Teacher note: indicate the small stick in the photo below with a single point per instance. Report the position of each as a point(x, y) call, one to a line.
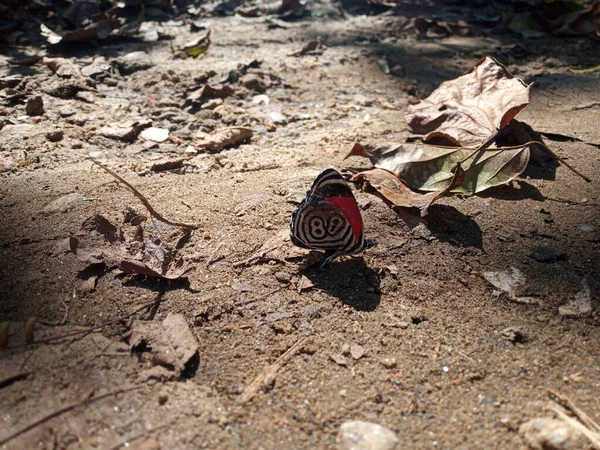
point(566, 403)
point(87, 330)
point(255, 257)
point(593, 436)
point(61, 411)
point(268, 373)
point(141, 198)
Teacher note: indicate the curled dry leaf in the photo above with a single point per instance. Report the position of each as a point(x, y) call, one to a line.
point(472, 108)
point(137, 254)
point(224, 138)
point(392, 188)
point(428, 167)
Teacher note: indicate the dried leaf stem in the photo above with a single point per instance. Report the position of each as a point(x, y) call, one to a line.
point(268, 373)
point(86, 401)
point(143, 199)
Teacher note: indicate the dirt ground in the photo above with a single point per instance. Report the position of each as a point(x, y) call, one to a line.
point(408, 335)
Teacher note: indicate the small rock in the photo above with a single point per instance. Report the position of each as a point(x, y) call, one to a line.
point(277, 118)
point(260, 99)
point(155, 134)
point(55, 135)
point(587, 228)
point(545, 254)
point(6, 164)
point(357, 351)
point(132, 62)
point(359, 435)
point(345, 350)
point(253, 82)
point(34, 106)
point(119, 132)
point(339, 360)
point(86, 96)
point(545, 433)
point(361, 100)
point(389, 363)
point(283, 277)
point(63, 204)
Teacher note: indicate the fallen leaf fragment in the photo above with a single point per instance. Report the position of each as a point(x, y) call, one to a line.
point(171, 343)
point(470, 109)
point(196, 47)
point(392, 188)
point(509, 281)
point(224, 138)
point(581, 305)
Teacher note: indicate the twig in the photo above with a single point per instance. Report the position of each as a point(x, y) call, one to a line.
point(141, 198)
point(255, 257)
point(64, 409)
point(87, 330)
point(566, 403)
point(268, 373)
point(7, 381)
point(593, 436)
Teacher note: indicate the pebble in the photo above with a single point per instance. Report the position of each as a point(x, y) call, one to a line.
point(548, 433)
point(587, 228)
point(360, 435)
point(118, 132)
point(253, 82)
point(389, 363)
point(277, 118)
point(34, 106)
point(357, 351)
point(545, 254)
point(155, 134)
point(132, 62)
point(55, 135)
point(361, 100)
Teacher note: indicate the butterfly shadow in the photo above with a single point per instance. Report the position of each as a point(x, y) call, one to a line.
point(350, 280)
point(446, 224)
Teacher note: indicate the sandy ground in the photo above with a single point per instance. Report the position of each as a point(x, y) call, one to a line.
point(408, 335)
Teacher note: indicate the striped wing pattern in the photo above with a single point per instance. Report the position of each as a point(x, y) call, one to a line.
point(328, 218)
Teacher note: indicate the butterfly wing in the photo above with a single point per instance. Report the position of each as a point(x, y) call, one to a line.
point(328, 218)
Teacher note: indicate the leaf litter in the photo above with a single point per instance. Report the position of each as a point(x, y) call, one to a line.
point(462, 120)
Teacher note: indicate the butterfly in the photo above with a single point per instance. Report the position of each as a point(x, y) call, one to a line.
point(329, 219)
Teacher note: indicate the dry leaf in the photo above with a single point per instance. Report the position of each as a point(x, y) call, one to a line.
point(171, 343)
point(472, 108)
point(427, 167)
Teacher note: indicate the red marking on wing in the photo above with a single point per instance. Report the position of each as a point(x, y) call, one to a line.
point(350, 211)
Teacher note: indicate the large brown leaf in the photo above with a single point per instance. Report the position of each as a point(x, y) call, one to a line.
point(472, 108)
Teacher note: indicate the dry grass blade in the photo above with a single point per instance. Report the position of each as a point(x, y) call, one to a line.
point(148, 206)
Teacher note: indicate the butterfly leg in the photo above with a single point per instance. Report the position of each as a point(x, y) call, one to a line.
point(330, 256)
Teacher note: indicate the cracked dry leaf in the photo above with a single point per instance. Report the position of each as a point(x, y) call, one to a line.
point(426, 167)
point(472, 108)
point(171, 343)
